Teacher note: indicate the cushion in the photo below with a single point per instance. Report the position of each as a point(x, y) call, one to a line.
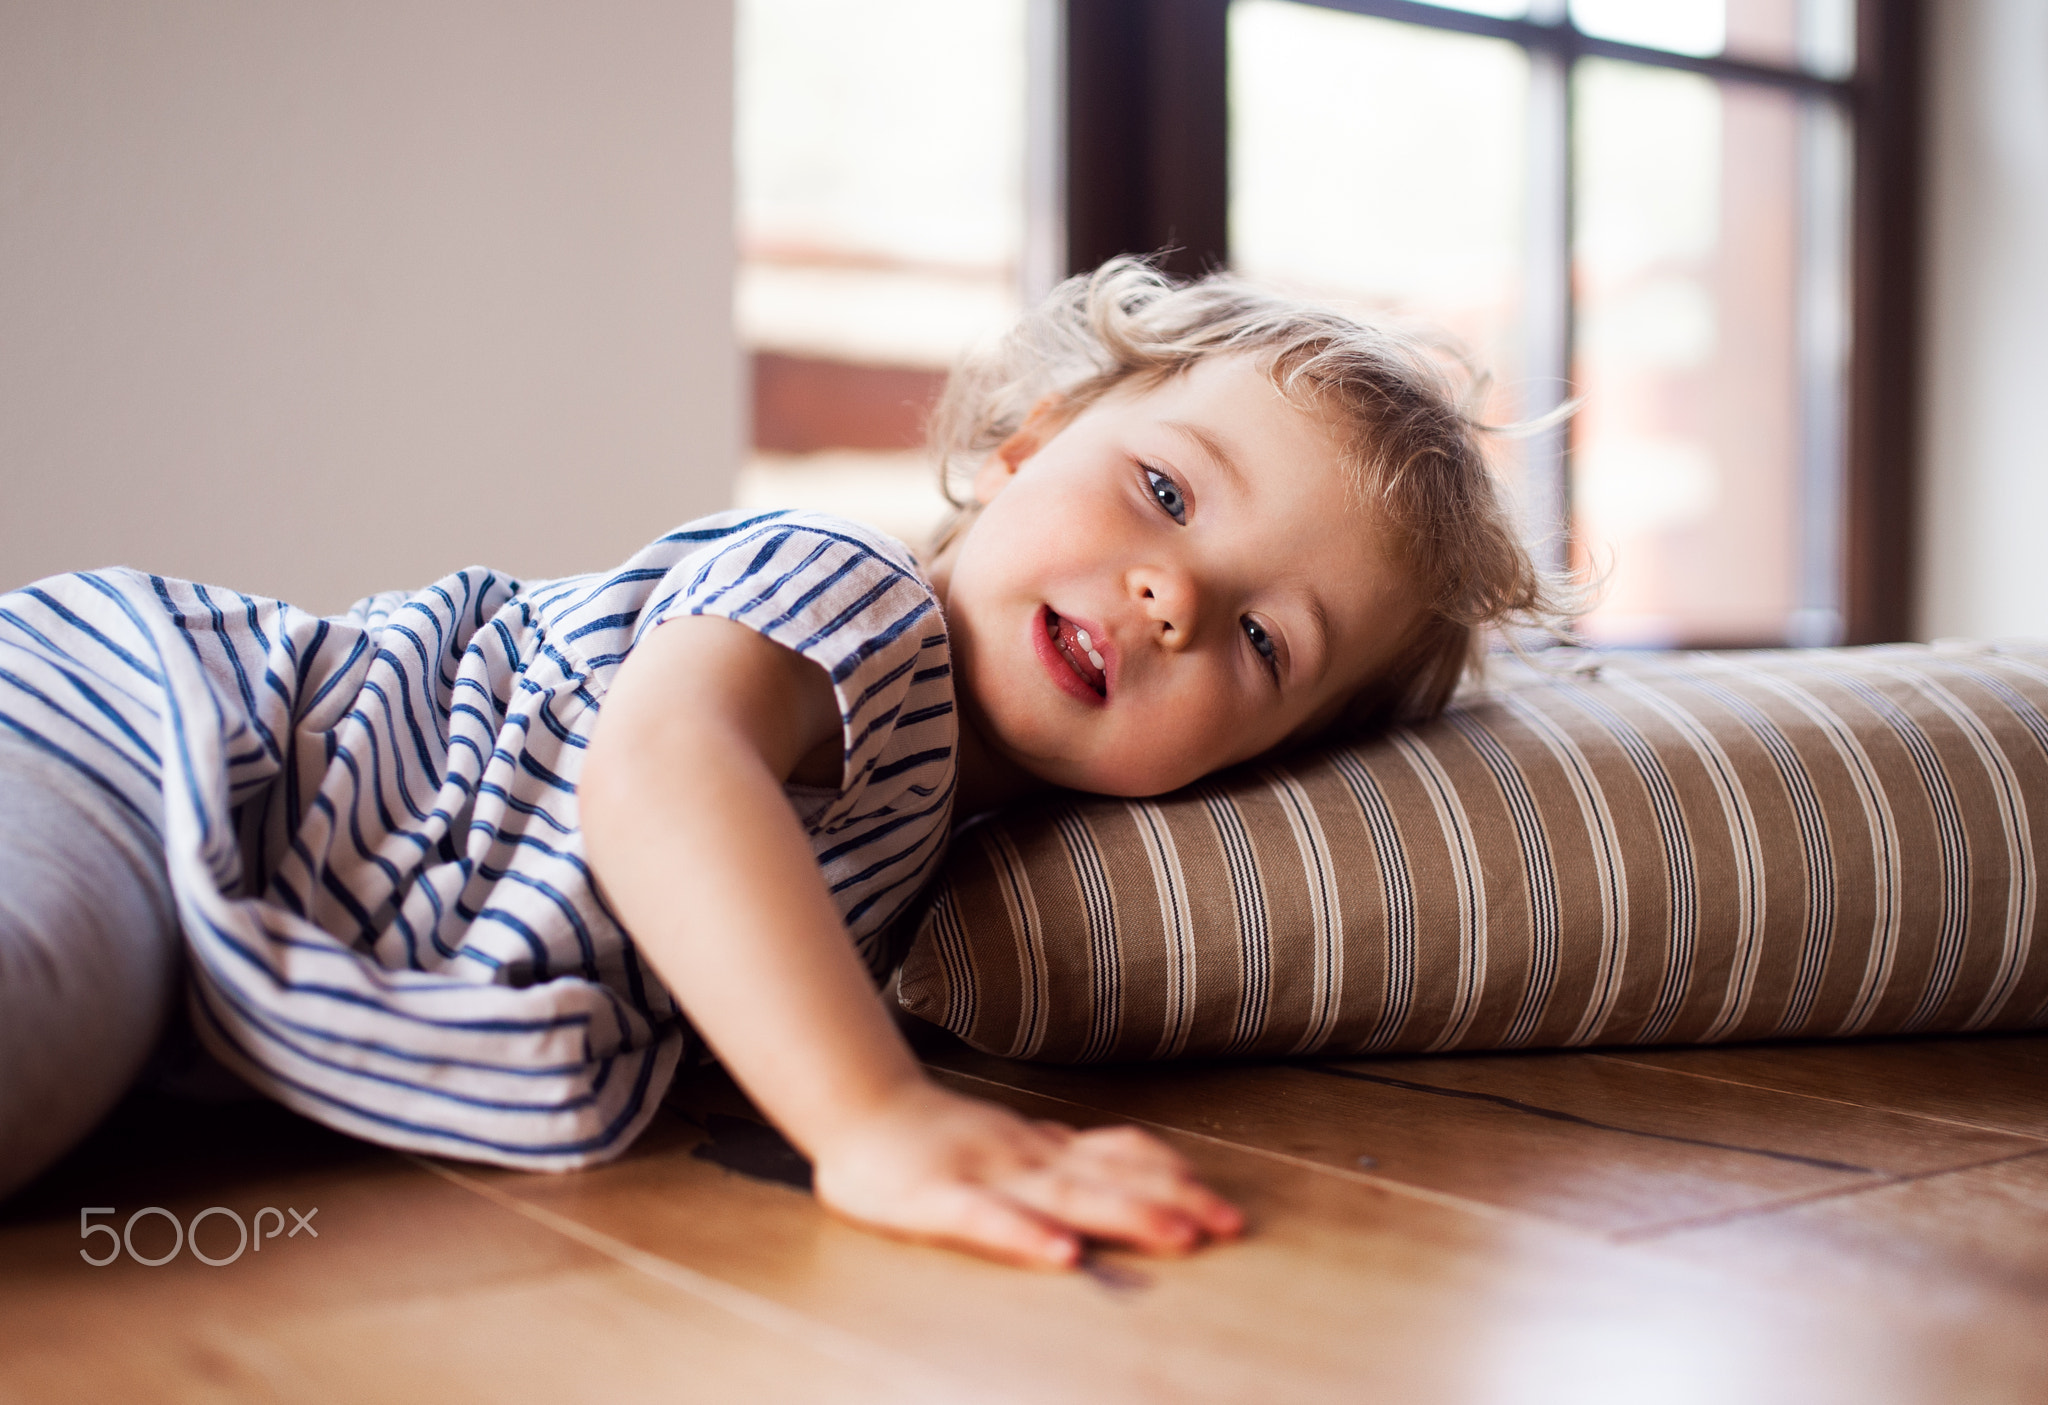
point(1632, 849)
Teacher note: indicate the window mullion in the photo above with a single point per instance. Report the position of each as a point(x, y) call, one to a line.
point(1547, 304)
point(1822, 320)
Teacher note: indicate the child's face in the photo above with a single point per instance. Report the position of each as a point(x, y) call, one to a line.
point(1202, 535)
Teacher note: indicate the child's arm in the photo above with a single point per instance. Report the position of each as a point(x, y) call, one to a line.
point(698, 851)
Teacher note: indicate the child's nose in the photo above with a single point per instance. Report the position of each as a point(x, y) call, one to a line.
point(1169, 599)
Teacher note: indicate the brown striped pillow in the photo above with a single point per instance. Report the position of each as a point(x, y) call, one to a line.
point(1650, 849)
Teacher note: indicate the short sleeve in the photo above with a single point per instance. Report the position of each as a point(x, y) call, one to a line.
point(849, 599)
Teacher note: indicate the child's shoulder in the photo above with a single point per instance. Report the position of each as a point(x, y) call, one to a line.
point(837, 592)
point(782, 553)
point(757, 540)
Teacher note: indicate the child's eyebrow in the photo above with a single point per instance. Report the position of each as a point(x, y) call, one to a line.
point(1210, 445)
point(1319, 631)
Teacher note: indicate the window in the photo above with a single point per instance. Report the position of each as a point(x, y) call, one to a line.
point(1678, 209)
point(1696, 288)
point(882, 232)
point(1696, 214)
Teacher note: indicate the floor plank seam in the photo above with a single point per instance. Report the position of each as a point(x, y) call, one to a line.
point(1575, 1119)
point(1824, 1098)
point(1650, 1234)
point(1444, 1199)
point(749, 1306)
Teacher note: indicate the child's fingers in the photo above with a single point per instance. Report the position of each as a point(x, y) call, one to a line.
point(1146, 1164)
point(1127, 1146)
point(1058, 1132)
point(1218, 1217)
point(991, 1224)
point(982, 1179)
point(962, 1215)
point(1104, 1209)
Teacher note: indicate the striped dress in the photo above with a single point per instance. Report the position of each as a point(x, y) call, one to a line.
point(370, 820)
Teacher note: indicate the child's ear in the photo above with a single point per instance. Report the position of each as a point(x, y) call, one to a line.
point(1046, 419)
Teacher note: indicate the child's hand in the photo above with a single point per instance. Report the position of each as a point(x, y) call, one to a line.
point(937, 1166)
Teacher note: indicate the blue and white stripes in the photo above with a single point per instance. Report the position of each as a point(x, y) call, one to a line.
point(370, 821)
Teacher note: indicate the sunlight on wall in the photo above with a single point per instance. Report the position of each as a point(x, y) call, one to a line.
point(881, 219)
point(316, 300)
point(1984, 490)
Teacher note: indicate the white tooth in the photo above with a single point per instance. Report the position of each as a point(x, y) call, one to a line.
point(1095, 658)
point(1086, 642)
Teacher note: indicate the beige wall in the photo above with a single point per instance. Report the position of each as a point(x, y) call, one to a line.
point(315, 299)
point(1984, 544)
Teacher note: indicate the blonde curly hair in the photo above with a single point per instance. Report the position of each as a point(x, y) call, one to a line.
point(1416, 454)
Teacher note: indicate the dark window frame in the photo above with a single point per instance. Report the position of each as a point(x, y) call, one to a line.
point(1146, 168)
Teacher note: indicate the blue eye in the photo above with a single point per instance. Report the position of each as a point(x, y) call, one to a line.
point(1262, 643)
point(1168, 495)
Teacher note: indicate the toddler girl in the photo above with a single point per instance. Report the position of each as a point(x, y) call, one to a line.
point(398, 853)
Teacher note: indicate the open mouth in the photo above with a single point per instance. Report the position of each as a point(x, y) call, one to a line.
point(1072, 646)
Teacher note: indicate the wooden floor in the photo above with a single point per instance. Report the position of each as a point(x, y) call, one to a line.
point(1855, 1222)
